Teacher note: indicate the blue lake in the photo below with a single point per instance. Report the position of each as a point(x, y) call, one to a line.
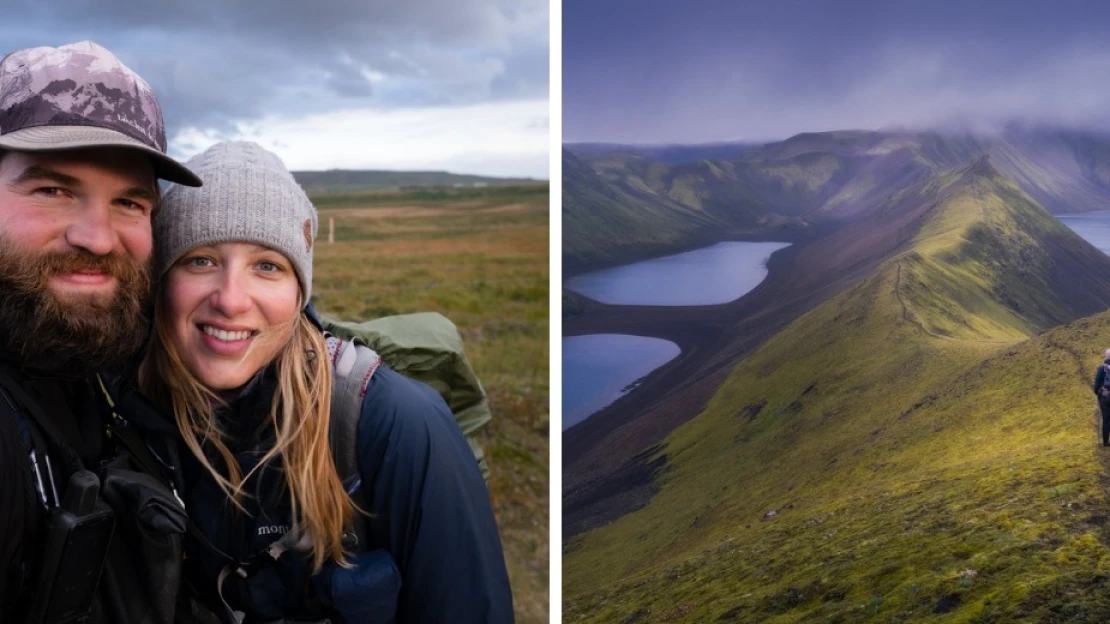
point(1094, 227)
point(710, 275)
point(598, 369)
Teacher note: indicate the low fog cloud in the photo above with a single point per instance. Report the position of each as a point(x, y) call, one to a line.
point(912, 86)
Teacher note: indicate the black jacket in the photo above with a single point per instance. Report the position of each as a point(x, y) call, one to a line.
point(430, 512)
point(73, 411)
point(66, 418)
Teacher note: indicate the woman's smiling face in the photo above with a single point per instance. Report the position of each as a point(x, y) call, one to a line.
point(230, 308)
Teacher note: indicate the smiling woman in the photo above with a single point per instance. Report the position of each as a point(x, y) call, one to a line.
point(233, 306)
point(243, 367)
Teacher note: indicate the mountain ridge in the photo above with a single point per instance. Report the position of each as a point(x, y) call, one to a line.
point(787, 188)
point(867, 395)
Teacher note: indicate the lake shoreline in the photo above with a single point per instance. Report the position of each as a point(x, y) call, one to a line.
point(605, 367)
point(610, 459)
point(1086, 225)
point(601, 494)
point(793, 234)
point(717, 274)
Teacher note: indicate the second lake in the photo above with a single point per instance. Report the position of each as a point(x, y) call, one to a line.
point(600, 368)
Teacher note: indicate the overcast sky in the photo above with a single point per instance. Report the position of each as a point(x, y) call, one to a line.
point(658, 71)
point(460, 85)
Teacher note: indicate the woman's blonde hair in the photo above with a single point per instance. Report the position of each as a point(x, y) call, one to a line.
point(300, 415)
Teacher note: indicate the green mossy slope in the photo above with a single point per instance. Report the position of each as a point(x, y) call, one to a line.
point(909, 450)
point(604, 223)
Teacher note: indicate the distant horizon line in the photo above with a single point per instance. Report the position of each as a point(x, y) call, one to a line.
point(1008, 126)
point(424, 171)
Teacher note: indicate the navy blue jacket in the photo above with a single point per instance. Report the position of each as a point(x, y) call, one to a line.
point(430, 512)
point(1100, 375)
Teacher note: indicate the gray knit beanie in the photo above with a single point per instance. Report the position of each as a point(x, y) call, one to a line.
point(248, 196)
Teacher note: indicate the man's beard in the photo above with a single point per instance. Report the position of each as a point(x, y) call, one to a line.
point(77, 332)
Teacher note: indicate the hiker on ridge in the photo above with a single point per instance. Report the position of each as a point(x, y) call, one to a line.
point(1101, 388)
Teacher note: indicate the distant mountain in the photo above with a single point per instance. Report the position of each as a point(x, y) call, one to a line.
point(621, 206)
point(342, 180)
point(670, 154)
point(912, 447)
point(1064, 170)
point(816, 178)
point(604, 222)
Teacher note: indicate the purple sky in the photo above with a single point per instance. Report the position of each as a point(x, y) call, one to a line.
point(653, 71)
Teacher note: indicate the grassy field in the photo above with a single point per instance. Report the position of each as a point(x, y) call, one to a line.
point(911, 450)
point(480, 257)
point(490, 195)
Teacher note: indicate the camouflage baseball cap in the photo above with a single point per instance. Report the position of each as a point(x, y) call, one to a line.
point(81, 95)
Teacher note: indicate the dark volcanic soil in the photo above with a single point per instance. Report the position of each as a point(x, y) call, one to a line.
point(606, 469)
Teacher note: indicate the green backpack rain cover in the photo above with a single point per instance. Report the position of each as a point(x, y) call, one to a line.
point(426, 346)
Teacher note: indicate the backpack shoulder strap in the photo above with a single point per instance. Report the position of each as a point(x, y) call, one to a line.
point(353, 365)
point(24, 566)
point(40, 422)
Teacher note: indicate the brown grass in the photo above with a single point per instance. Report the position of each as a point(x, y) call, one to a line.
point(484, 265)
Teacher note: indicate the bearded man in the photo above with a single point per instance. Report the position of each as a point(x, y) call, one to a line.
point(82, 145)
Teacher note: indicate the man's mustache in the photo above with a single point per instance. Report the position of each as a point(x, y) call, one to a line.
point(79, 261)
point(84, 330)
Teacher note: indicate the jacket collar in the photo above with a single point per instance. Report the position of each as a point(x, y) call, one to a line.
point(310, 312)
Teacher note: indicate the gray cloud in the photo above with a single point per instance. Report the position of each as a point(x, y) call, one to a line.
point(218, 64)
point(903, 84)
point(764, 71)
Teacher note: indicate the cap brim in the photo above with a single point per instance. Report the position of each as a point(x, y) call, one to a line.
point(58, 138)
